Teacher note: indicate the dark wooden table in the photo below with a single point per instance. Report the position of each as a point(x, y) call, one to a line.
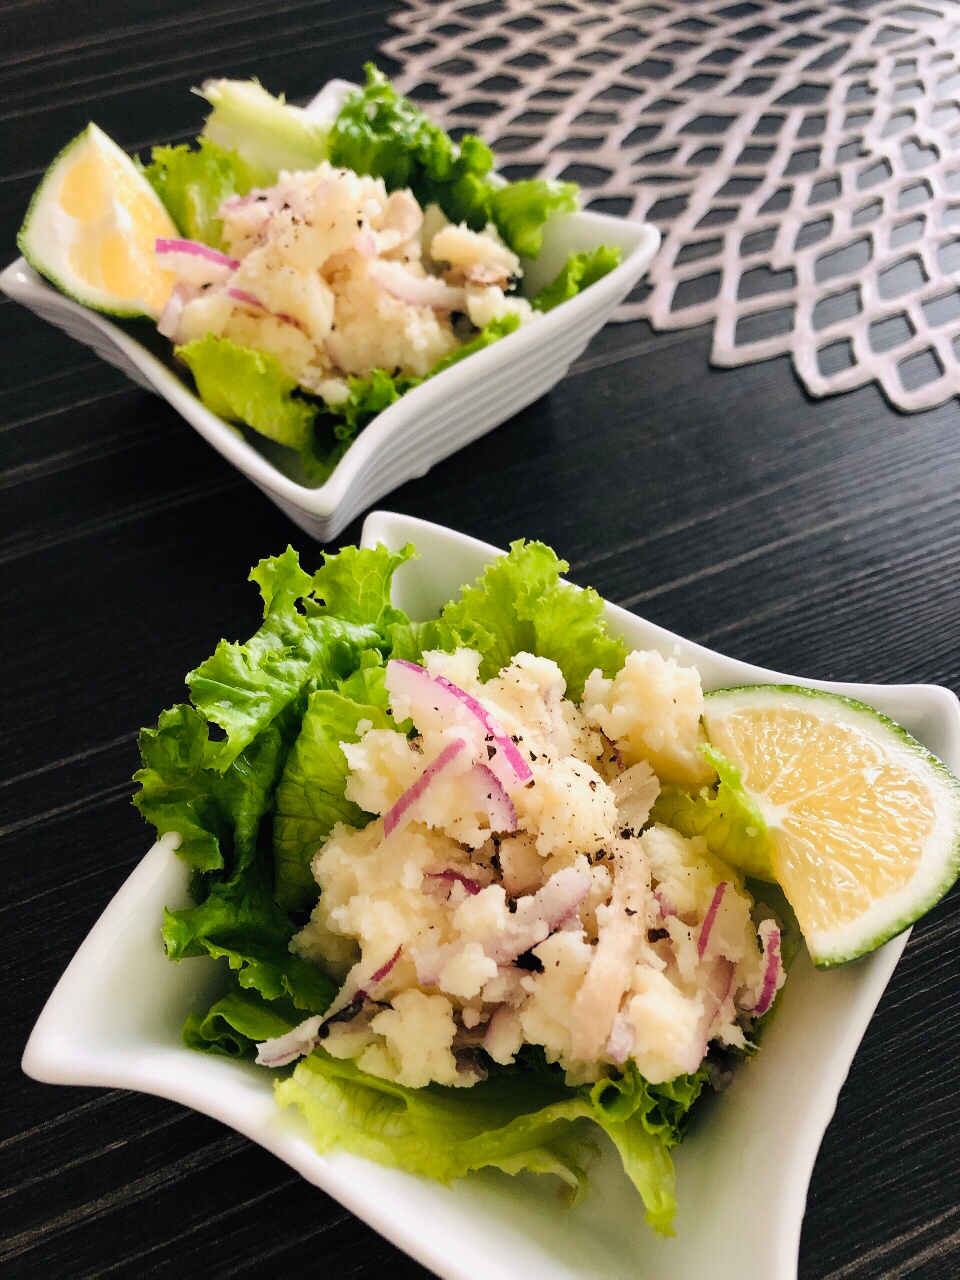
point(818, 538)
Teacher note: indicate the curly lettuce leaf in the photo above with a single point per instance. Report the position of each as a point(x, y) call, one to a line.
point(519, 210)
point(440, 1132)
point(244, 687)
point(239, 384)
point(520, 604)
point(217, 815)
point(242, 385)
point(310, 798)
point(239, 921)
point(326, 631)
point(194, 183)
point(267, 133)
point(355, 584)
point(235, 1025)
point(379, 132)
point(578, 272)
point(490, 333)
point(724, 815)
point(514, 1120)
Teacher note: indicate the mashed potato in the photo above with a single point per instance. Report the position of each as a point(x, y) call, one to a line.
point(513, 890)
point(336, 277)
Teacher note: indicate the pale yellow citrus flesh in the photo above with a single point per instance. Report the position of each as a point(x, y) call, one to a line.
point(848, 820)
point(111, 221)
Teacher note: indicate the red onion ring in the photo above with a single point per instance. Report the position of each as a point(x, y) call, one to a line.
point(416, 291)
point(249, 300)
point(709, 920)
point(411, 681)
point(770, 938)
point(621, 1040)
point(380, 974)
point(194, 249)
point(451, 877)
point(398, 814)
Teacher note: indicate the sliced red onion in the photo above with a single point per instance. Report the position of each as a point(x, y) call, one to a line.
point(357, 987)
point(365, 243)
point(492, 798)
point(168, 326)
point(501, 740)
point(416, 291)
point(247, 298)
point(709, 920)
point(402, 217)
point(540, 914)
point(449, 877)
point(773, 969)
point(720, 986)
point(371, 244)
point(250, 300)
point(621, 1040)
point(432, 962)
point(194, 262)
point(410, 681)
point(399, 815)
point(279, 1050)
point(380, 974)
point(666, 906)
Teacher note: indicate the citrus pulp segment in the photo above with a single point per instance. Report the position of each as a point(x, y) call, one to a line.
point(864, 822)
point(91, 229)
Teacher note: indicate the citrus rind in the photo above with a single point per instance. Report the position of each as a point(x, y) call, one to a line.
point(938, 864)
point(45, 237)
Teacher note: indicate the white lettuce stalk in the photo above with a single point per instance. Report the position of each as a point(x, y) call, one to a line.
point(267, 132)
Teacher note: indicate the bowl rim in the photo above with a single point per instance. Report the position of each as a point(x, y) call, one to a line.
point(50, 1056)
point(23, 284)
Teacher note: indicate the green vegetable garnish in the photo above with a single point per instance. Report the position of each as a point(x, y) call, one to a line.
point(251, 776)
point(579, 272)
point(194, 183)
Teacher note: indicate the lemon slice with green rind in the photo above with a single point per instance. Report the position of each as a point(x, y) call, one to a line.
point(91, 229)
point(864, 822)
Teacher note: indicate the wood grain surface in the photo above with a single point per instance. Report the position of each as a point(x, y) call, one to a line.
point(817, 538)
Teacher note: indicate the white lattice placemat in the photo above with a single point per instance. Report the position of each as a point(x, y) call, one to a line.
point(802, 161)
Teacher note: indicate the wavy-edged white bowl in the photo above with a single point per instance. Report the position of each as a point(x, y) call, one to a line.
point(743, 1172)
point(427, 424)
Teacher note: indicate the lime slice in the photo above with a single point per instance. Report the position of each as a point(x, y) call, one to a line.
point(91, 228)
point(864, 822)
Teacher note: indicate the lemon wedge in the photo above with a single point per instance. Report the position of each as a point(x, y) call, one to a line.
point(864, 823)
point(91, 229)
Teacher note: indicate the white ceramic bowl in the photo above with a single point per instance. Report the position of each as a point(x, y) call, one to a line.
point(429, 423)
point(742, 1174)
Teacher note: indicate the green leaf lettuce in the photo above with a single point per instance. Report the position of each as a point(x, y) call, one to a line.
point(579, 272)
point(724, 815)
point(242, 385)
point(193, 183)
point(512, 1121)
point(520, 604)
